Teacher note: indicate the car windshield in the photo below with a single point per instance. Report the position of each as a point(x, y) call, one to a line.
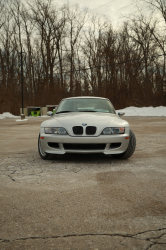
point(85, 105)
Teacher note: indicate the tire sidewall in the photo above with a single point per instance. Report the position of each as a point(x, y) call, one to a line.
point(42, 154)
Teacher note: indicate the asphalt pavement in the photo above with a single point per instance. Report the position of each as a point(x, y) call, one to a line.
point(82, 201)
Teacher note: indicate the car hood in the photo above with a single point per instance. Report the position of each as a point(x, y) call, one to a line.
point(100, 120)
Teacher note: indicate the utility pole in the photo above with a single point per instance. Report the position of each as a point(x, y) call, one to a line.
point(22, 79)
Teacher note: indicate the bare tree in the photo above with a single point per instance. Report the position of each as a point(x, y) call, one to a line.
point(142, 38)
point(75, 23)
point(49, 24)
point(28, 27)
point(159, 5)
point(70, 52)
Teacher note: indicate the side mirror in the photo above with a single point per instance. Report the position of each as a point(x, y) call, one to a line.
point(121, 113)
point(49, 113)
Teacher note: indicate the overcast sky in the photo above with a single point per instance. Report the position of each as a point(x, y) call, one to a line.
point(116, 10)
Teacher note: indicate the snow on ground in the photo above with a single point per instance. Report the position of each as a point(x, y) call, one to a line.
point(23, 120)
point(8, 115)
point(130, 111)
point(145, 111)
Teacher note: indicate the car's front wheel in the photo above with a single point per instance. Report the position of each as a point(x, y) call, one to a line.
point(42, 153)
point(130, 150)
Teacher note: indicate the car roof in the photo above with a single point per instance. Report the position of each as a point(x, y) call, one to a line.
point(83, 97)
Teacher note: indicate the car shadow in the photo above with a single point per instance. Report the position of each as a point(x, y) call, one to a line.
point(85, 158)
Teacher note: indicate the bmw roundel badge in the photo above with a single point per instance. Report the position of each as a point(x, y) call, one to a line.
point(84, 124)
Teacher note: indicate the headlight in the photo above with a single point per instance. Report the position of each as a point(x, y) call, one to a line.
point(113, 131)
point(57, 131)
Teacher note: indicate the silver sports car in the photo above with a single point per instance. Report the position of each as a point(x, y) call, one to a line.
point(86, 125)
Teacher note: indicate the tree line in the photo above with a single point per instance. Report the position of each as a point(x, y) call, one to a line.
point(67, 52)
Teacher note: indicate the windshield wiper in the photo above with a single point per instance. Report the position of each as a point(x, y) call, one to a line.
point(63, 112)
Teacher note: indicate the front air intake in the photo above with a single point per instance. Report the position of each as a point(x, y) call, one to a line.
point(90, 130)
point(84, 146)
point(78, 130)
point(53, 145)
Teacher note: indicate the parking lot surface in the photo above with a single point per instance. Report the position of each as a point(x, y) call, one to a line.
point(82, 201)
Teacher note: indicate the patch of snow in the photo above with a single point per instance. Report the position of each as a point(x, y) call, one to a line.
point(21, 120)
point(145, 111)
point(8, 115)
point(130, 111)
point(42, 116)
point(37, 116)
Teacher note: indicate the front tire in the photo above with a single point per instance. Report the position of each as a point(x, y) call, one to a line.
point(42, 153)
point(130, 150)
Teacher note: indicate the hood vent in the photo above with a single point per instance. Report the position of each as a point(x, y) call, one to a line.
point(78, 130)
point(90, 130)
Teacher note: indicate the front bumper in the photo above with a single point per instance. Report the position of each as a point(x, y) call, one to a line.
point(108, 140)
